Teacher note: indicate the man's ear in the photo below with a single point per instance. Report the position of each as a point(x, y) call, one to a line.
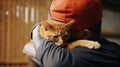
point(46, 25)
point(87, 34)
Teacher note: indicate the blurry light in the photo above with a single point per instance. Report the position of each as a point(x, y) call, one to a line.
point(26, 15)
point(32, 14)
point(7, 12)
point(17, 11)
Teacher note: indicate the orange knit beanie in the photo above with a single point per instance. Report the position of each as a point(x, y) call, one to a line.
point(86, 13)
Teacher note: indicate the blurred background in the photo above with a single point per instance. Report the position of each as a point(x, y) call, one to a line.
point(18, 16)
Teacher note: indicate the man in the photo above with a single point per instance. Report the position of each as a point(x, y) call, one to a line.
point(88, 15)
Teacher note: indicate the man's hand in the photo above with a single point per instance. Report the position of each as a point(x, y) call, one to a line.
point(29, 50)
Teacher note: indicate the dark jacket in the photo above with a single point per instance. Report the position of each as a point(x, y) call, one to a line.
point(50, 55)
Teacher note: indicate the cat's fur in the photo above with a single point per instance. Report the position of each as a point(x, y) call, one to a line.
point(59, 33)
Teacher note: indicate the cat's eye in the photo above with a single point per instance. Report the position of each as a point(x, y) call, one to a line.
point(55, 36)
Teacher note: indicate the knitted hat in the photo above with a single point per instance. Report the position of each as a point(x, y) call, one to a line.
point(86, 13)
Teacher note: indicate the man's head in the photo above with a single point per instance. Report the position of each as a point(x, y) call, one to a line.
point(86, 13)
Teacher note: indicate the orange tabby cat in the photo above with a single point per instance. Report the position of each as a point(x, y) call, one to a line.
point(59, 33)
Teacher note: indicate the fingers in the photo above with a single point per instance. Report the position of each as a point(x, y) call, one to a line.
point(29, 50)
point(35, 31)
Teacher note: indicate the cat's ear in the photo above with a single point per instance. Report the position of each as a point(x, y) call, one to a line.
point(46, 25)
point(69, 24)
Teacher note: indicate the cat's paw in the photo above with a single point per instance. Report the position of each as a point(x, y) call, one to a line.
point(94, 45)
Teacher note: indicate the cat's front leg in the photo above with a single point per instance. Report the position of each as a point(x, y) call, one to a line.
point(84, 43)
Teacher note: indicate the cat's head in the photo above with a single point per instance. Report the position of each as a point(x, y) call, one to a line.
point(58, 33)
